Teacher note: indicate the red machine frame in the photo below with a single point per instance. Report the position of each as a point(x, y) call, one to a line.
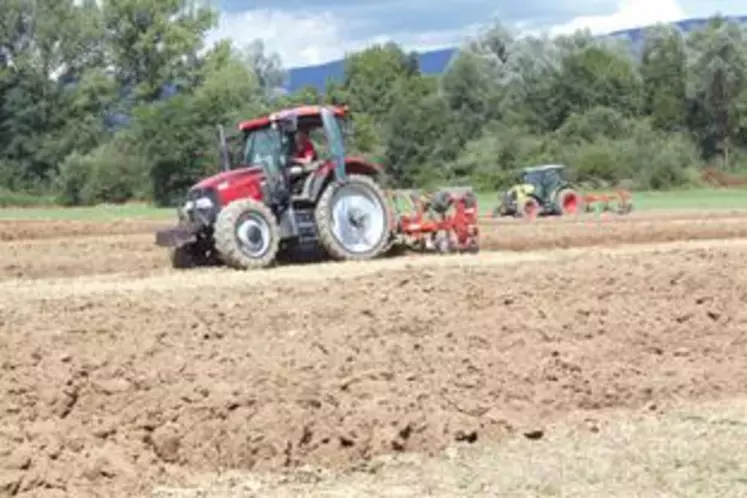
point(446, 221)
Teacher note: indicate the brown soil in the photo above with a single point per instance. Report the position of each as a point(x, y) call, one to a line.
point(48, 229)
point(114, 384)
point(615, 454)
point(128, 247)
point(529, 235)
point(658, 215)
point(75, 256)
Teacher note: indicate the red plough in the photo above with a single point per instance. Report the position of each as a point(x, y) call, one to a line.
point(445, 222)
point(619, 201)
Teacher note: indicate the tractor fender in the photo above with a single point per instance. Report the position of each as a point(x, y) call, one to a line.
point(353, 166)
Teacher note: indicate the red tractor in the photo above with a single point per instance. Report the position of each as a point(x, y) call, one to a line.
point(271, 202)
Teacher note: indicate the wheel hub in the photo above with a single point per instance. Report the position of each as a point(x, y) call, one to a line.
point(358, 218)
point(253, 235)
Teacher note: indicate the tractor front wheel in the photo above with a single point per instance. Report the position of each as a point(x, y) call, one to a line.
point(246, 235)
point(353, 219)
point(190, 256)
point(529, 208)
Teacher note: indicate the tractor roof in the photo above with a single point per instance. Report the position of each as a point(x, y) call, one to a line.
point(543, 167)
point(301, 112)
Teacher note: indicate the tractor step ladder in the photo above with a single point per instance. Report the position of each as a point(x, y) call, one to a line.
point(304, 218)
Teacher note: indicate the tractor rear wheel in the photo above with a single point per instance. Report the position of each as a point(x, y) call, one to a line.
point(570, 202)
point(353, 219)
point(246, 235)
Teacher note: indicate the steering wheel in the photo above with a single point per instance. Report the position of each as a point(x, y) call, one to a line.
point(307, 167)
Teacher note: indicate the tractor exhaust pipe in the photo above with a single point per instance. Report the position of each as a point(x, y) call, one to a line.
point(225, 159)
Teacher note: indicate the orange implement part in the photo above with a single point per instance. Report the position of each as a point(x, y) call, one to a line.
point(444, 220)
point(622, 198)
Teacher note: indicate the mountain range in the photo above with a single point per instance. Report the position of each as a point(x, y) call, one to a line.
point(435, 61)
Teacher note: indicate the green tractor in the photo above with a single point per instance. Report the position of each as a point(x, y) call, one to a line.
point(542, 191)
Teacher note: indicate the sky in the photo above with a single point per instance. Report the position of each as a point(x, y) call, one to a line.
point(309, 32)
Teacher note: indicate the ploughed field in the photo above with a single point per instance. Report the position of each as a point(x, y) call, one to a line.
point(119, 374)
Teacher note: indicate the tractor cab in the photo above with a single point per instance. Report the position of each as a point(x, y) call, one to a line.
point(544, 180)
point(270, 143)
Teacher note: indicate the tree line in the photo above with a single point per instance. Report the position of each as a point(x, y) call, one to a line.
point(118, 100)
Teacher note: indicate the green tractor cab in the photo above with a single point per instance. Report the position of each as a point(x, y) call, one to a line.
point(541, 191)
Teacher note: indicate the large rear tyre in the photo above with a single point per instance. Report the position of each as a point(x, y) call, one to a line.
point(353, 220)
point(246, 235)
point(570, 202)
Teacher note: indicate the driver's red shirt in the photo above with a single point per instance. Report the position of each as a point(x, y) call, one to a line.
point(306, 151)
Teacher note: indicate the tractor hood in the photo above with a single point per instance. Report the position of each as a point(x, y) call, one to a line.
point(228, 177)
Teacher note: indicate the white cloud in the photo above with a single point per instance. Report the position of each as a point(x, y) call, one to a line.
point(629, 14)
point(299, 38)
point(303, 38)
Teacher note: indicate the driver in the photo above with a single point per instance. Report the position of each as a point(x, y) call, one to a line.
point(305, 151)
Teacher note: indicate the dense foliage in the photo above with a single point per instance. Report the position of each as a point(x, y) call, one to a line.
point(116, 100)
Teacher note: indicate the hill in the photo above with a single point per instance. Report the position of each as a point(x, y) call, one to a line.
point(434, 62)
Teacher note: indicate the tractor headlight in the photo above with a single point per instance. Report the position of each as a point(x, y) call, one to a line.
point(201, 206)
point(200, 210)
point(201, 203)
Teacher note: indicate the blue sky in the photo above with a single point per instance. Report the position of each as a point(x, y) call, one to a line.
point(306, 32)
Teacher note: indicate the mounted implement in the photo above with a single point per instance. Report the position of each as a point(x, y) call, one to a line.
point(618, 201)
point(283, 196)
point(444, 221)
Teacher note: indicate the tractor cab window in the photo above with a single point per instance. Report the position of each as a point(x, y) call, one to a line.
point(316, 135)
point(337, 136)
point(545, 177)
point(533, 177)
point(558, 175)
point(264, 148)
point(552, 177)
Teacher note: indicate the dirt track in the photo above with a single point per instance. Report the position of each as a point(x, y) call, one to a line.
point(115, 383)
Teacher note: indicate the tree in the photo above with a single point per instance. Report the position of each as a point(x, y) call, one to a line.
point(268, 69)
point(595, 75)
point(664, 73)
point(106, 100)
point(468, 90)
point(417, 142)
point(148, 42)
point(178, 136)
point(718, 78)
point(371, 75)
